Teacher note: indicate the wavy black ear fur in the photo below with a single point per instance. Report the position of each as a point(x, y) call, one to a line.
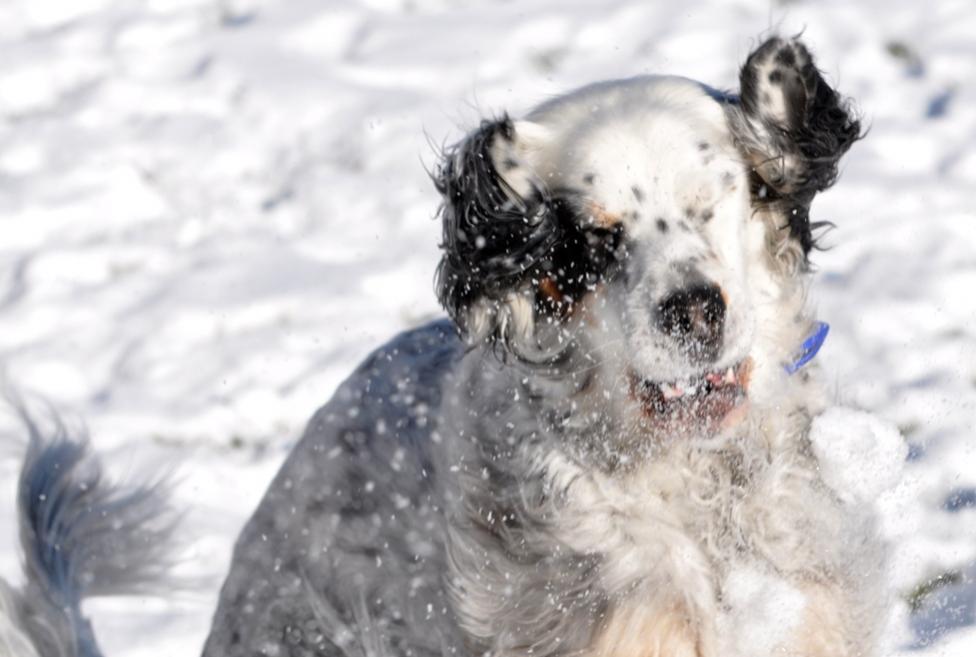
point(794, 128)
point(499, 244)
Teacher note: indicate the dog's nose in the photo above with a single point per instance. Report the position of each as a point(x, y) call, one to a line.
point(695, 317)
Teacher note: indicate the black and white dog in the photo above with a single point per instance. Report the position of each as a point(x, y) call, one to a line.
point(611, 434)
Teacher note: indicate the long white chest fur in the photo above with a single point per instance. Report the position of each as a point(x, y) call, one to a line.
point(715, 551)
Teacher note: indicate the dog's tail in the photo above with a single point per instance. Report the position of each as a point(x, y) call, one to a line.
point(81, 536)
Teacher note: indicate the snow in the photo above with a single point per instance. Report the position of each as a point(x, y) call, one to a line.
point(766, 609)
point(213, 209)
point(861, 457)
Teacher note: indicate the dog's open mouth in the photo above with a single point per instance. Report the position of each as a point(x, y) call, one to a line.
point(703, 402)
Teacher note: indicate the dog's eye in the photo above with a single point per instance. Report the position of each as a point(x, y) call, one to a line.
point(582, 257)
point(760, 189)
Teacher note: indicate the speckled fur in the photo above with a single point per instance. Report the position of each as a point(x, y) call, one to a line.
point(492, 485)
point(501, 494)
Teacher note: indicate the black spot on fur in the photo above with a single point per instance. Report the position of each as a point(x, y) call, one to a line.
point(638, 193)
point(583, 255)
point(662, 225)
point(786, 57)
point(819, 130)
point(683, 225)
point(510, 164)
point(495, 241)
point(689, 212)
point(588, 178)
point(707, 214)
point(703, 146)
point(775, 76)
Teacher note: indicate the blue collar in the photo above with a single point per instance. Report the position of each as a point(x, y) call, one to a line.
point(809, 348)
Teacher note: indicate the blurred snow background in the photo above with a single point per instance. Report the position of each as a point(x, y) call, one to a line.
point(210, 210)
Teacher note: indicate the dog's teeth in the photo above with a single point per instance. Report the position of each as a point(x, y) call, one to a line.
point(671, 391)
point(730, 375)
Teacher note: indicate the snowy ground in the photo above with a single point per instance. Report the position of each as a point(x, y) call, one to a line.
point(212, 209)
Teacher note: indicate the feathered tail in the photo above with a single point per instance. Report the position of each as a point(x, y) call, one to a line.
point(81, 536)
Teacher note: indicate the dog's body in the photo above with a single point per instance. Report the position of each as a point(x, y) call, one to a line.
point(613, 460)
point(347, 546)
point(546, 489)
point(355, 543)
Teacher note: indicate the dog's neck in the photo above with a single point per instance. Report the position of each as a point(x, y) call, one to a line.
point(580, 408)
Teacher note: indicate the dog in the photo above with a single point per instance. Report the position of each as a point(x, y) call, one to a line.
point(604, 451)
point(81, 536)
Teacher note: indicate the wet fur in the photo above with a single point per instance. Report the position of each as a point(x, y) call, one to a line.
point(796, 146)
point(80, 536)
point(533, 519)
point(489, 485)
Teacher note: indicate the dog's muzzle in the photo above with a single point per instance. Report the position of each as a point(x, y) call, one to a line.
point(702, 403)
point(695, 318)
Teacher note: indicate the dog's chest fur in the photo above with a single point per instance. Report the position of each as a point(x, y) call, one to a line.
point(667, 535)
point(682, 520)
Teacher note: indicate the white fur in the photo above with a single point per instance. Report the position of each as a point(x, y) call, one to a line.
point(677, 525)
point(861, 457)
point(14, 642)
point(646, 132)
point(763, 610)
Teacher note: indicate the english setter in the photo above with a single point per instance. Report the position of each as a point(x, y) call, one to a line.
point(604, 452)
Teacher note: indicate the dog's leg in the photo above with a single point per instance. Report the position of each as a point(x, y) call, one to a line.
point(638, 628)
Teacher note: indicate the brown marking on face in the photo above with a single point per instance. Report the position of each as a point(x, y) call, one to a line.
point(561, 306)
point(550, 290)
point(744, 373)
point(601, 217)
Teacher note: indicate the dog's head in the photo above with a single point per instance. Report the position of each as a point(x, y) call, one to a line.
point(652, 227)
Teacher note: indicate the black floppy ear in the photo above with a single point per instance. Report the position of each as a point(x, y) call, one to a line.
point(514, 250)
point(794, 128)
point(494, 234)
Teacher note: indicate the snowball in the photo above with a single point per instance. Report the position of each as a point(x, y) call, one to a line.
point(763, 611)
point(860, 455)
